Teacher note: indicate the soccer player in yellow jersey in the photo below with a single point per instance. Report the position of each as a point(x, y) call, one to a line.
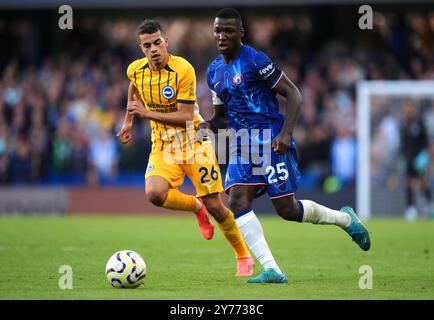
point(163, 90)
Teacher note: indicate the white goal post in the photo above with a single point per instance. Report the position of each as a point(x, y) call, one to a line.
point(366, 89)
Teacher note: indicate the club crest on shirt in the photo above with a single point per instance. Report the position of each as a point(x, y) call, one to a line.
point(168, 92)
point(237, 80)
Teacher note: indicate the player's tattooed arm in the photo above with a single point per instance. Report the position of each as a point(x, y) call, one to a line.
point(292, 106)
point(125, 135)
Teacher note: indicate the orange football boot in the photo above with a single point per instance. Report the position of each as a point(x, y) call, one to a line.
point(205, 224)
point(245, 267)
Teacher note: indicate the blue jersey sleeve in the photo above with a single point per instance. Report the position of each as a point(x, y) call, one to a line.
point(265, 69)
point(208, 78)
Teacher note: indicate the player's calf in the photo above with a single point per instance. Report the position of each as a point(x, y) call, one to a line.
point(288, 208)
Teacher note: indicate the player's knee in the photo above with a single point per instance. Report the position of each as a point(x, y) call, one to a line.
point(156, 197)
point(238, 203)
point(214, 208)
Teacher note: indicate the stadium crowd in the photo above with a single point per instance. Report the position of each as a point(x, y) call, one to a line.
point(60, 110)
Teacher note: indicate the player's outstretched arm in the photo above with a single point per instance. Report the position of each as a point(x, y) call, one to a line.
point(292, 106)
point(125, 135)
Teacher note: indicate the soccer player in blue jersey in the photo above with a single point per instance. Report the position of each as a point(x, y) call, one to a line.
point(244, 84)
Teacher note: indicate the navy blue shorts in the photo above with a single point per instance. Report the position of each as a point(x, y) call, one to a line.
point(279, 176)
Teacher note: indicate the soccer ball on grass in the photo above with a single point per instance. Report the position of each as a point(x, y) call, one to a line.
point(125, 269)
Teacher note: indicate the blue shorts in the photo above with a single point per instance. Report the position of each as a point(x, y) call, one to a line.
point(279, 176)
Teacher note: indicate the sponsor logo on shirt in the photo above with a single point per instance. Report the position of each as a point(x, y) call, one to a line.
point(164, 108)
point(267, 71)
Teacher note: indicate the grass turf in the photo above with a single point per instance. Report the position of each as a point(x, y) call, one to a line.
point(321, 262)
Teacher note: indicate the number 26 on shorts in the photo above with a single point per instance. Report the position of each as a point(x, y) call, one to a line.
point(206, 174)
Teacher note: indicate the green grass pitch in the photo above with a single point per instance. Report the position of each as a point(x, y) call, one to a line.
point(321, 262)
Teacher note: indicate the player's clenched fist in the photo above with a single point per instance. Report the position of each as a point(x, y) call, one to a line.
point(125, 135)
point(281, 143)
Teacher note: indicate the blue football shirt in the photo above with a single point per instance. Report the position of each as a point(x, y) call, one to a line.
point(244, 87)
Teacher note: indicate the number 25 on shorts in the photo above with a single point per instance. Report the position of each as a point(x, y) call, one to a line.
point(282, 173)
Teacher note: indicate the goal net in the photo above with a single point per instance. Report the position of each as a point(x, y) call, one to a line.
point(382, 112)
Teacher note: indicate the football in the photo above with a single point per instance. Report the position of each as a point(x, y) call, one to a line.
point(125, 269)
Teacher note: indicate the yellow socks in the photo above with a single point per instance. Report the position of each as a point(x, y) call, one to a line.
point(176, 200)
point(233, 235)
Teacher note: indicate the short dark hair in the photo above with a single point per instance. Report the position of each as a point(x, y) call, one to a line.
point(149, 26)
point(230, 13)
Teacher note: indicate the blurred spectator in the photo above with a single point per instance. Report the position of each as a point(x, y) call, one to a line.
point(4, 169)
point(4, 161)
point(385, 144)
point(314, 153)
point(103, 157)
point(38, 142)
point(343, 154)
point(62, 148)
point(20, 163)
point(414, 148)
